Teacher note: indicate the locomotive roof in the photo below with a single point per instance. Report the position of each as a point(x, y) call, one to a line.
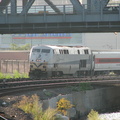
point(61, 46)
point(106, 51)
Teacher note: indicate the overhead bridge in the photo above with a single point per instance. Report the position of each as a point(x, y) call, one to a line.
point(76, 17)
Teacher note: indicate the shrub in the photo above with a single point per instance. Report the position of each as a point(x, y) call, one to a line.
point(2, 76)
point(8, 76)
point(16, 74)
point(17, 47)
point(63, 105)
point(24, 75)
point(93, 115)
point(32, 105)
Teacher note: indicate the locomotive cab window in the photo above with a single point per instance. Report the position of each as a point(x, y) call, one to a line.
point(86, 52)
point(45, 50)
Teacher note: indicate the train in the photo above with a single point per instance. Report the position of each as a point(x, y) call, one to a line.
point(76, 61)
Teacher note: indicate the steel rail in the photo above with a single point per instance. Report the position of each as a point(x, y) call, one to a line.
point(29, 85)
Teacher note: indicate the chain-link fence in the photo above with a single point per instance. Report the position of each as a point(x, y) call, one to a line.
point(9, 66)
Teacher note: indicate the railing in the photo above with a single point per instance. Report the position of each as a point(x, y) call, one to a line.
point(65, 9)
point(9, 66)
point(40, 9)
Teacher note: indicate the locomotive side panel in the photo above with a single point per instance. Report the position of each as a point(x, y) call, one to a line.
point(69, 64)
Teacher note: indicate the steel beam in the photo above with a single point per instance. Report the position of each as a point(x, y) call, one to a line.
point(3, 5)
point(96, 5)
point(24, 2)
point(27, 7)
point(105, 2)
point(13, 7)
point(77, 6)
point(50, 3)
point(78, 27)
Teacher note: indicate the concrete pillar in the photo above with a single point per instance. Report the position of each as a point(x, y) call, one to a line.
point(13, 7)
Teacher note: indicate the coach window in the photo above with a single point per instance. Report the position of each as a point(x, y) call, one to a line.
point(86, 52)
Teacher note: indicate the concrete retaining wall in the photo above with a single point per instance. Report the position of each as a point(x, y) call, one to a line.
point(84, 101)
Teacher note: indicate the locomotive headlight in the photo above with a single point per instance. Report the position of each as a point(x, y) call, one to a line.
point(38, 60)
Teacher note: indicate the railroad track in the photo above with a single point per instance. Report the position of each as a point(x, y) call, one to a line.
point(13, 86)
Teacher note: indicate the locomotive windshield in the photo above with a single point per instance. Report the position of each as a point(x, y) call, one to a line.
point(36, 50)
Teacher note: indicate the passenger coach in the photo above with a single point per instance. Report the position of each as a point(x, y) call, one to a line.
point(106, 61)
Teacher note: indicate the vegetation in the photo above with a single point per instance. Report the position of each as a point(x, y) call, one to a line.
point(16, 47)
point(93, 115)
point(15, 75)
point(81, 87)
point(63, 105)
point(85, 86)
point(33, 106)
point(47, 93)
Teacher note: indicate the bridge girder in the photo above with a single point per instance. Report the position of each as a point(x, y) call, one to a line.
point(76, 27)
point(83, 20)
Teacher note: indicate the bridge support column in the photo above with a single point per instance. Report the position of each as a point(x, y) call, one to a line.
point(13, 7)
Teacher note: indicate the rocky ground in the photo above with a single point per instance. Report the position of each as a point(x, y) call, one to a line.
point(7, 102)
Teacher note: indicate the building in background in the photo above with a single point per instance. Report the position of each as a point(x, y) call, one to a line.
point(46, 38)
point(95, 41)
